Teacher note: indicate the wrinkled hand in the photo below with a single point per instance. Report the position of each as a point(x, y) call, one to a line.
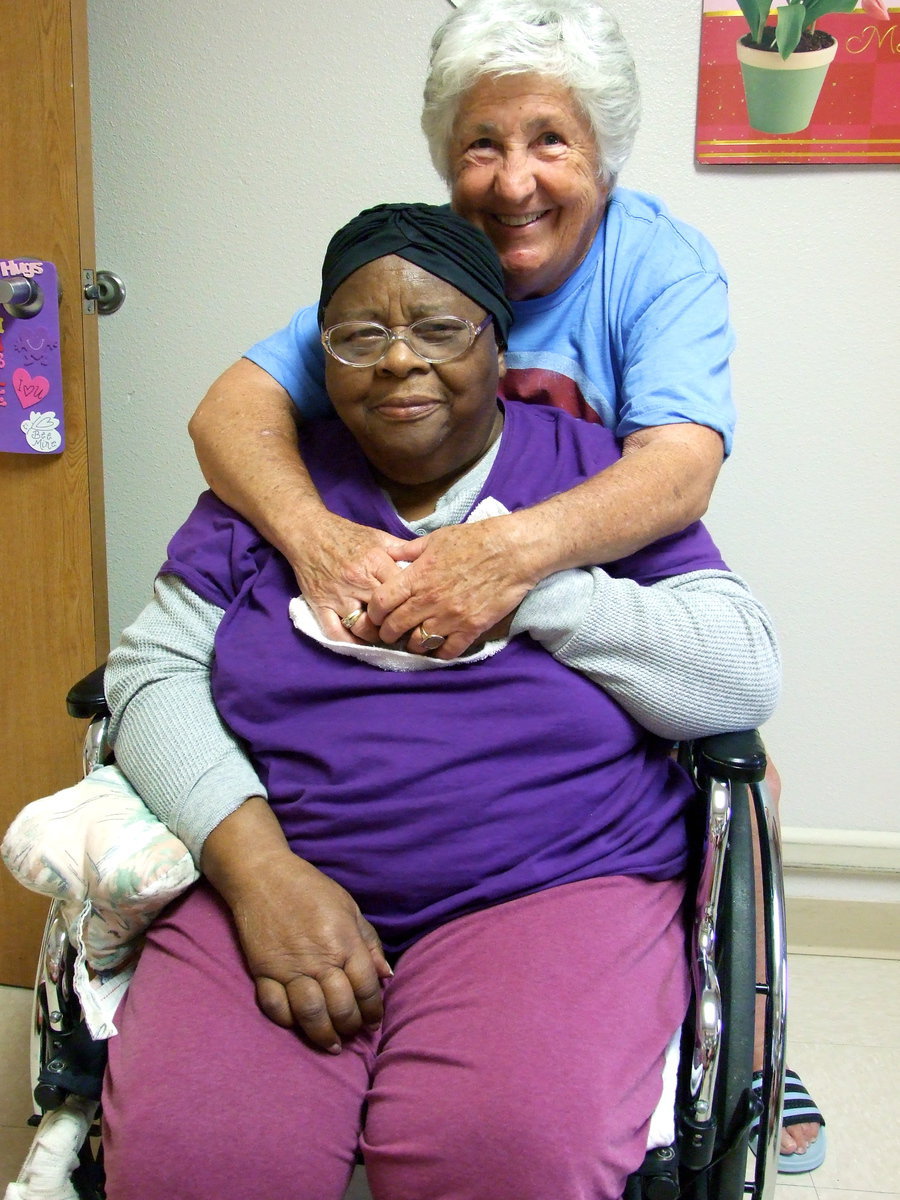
point(341, 566)
point(317, 962)
point(462, 581)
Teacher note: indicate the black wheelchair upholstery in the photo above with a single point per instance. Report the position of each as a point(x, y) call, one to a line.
point(715, 1106)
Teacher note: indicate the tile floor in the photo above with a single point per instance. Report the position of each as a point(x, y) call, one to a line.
point(844, 1041)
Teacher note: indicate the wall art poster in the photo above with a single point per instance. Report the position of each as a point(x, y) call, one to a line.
point(838, 102)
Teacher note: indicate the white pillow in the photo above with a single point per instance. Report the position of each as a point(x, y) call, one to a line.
point(97, 848)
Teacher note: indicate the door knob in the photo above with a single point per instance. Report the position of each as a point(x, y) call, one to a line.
point(21, 297)
point(103, 289)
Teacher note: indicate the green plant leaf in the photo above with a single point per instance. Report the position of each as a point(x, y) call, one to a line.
point(822, 8)
point(755, 12)
point(791, 21)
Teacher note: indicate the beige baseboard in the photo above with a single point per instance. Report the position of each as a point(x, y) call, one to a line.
point(842, 891)
point(843, 928)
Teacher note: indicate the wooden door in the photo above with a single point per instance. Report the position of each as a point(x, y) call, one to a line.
point(53, 611)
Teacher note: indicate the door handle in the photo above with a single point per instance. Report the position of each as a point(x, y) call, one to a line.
point(21, 297)
point(103, 289)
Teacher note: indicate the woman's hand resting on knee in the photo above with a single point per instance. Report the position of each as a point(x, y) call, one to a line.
point(316, 960)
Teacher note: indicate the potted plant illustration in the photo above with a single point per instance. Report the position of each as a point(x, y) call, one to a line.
point(783, 65)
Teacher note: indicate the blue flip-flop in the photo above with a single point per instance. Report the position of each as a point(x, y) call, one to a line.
point(799, 1108)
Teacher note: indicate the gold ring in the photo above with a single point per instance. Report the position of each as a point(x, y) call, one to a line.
point(351, 618)
point(431, 641)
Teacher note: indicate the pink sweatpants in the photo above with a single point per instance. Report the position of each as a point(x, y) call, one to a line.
point(520, 1058)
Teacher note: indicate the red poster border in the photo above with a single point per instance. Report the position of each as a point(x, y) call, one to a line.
point(856, 120)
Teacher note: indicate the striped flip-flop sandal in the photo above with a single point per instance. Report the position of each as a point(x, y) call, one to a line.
point(799, 1107)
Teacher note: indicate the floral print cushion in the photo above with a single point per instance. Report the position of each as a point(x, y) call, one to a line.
point(98, 849)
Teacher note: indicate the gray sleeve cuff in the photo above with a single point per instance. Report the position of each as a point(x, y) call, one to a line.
point(556, 608)
point(216, 795)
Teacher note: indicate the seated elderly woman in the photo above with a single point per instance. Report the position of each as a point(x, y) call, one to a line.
point(441, 912)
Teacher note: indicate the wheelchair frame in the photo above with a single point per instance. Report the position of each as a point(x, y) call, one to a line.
point(715, 1104)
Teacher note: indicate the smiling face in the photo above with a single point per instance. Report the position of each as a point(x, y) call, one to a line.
point(418, 423)
point(524, 169)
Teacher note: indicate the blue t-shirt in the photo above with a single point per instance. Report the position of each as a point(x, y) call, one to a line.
point(637, 336)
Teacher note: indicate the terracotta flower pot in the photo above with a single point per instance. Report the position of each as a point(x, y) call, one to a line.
point(781, 92)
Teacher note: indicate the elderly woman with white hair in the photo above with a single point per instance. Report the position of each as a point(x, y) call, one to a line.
point(531, 108)
point(620, 317)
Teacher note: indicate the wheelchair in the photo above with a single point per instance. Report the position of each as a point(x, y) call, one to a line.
point(714, 1106)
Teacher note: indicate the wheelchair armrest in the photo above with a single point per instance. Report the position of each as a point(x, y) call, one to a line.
point(86, 698)
point(737, 757)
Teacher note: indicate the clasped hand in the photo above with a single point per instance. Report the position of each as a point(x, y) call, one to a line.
point(317, 962)
point(463, 582)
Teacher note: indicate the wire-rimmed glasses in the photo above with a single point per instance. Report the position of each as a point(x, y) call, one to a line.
point(436, 339)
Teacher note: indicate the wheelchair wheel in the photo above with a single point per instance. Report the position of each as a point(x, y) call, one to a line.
point(736, 968)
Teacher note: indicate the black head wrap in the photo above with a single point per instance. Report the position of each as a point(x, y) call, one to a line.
point(435, 239)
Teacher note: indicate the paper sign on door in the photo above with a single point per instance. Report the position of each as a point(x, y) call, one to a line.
point(31, 399)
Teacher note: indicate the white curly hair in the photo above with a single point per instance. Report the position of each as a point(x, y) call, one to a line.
point(578, 43)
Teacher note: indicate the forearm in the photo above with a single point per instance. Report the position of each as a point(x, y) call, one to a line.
point(245, 437)
point(661, 485)
point(167, 735)
point(244, 848)
point(688, 656)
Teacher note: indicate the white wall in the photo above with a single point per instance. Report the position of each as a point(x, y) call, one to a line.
point(230, 143)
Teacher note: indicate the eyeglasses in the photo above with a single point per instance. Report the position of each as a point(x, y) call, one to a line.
point(436, 339)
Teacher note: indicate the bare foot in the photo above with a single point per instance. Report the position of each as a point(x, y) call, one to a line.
point(796, 1139)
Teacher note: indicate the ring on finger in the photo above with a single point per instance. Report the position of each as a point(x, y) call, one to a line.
point(430, 641)
point(351, 618)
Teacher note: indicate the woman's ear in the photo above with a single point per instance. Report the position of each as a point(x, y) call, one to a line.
point(501, 363)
